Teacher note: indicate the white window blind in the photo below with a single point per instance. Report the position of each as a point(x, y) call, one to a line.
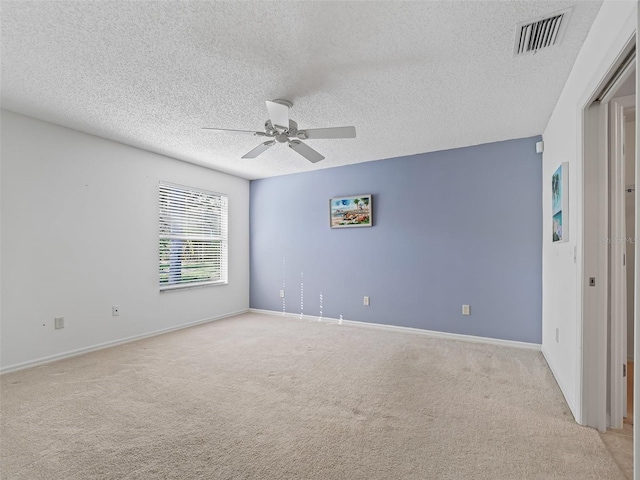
point(193, 237)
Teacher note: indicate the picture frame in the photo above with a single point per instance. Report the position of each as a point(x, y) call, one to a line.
point(351, 211)
point(560, 203)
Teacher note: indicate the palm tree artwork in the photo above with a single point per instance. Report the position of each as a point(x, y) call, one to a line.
point(350, 211)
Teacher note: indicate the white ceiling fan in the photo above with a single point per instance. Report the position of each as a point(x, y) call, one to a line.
point(280, 128)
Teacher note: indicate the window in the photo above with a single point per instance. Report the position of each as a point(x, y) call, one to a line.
point(193, 237)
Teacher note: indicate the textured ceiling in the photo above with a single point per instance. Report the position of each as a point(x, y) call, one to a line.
point(412, 77)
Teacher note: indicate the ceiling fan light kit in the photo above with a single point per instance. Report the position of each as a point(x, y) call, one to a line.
point(281, 129)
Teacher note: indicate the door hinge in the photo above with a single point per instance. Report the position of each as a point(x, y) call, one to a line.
point(624, 369)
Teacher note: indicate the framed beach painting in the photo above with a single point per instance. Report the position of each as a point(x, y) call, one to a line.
point(560, 203)
point(351, 211)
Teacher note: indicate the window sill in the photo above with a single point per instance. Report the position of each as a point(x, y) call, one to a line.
point(170, 288)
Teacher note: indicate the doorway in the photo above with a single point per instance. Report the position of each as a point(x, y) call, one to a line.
point(630, 217)
point(605, 301)
point(619, 108)
point(621, 279)
point(621, 249)
point(630, 226)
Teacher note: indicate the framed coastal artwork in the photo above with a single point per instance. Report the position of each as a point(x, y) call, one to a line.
point(560, 203)
point(351, 211)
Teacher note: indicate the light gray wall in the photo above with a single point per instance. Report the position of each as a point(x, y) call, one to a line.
point(80, 234)
point(449, 228)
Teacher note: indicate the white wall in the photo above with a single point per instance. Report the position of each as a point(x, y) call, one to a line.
point(80, 234)
point(563, 138)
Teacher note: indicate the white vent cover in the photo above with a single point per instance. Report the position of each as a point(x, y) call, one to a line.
point(540, 33)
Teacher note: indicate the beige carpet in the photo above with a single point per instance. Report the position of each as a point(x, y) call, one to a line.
point(262, 397)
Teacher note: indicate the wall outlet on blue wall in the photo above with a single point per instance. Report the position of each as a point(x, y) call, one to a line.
point(466, 310)
point(365, 301)
point(281, 293)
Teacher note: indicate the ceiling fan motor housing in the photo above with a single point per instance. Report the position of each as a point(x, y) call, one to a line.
point(272, 131)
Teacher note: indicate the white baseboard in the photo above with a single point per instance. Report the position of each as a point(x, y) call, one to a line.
point(419, 331)
point(100, 346)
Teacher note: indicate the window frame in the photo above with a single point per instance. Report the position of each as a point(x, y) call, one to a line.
point(183, 220)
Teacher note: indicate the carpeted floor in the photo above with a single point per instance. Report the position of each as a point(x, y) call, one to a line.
point(264, 397)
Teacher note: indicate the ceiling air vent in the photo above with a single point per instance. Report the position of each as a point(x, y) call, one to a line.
point(540, 33)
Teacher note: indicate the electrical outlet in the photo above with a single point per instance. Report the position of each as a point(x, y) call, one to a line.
point(281, 293)
point(59, 322)
point(115, 310)
point(466, 310)
point(365, 301)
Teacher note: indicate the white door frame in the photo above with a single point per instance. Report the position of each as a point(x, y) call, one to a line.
point(594, 338)
point(593, 300)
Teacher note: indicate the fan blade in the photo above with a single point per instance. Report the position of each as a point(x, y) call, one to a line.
point(248, 132)
point(334, 132)
point(259, 149)
point(279, 114)
point(306, 151)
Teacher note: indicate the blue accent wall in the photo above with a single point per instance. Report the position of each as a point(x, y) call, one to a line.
point(454, 227)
